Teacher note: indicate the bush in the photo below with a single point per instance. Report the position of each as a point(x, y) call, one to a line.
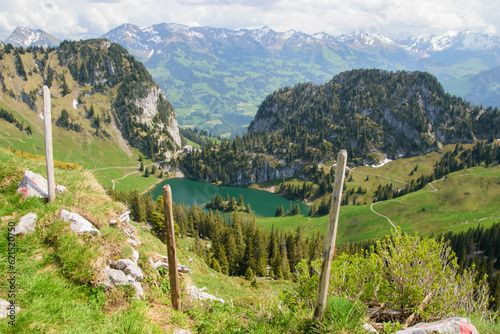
point(401, 271)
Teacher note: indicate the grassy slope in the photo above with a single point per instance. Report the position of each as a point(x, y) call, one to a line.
point(56, 269)
point(84, 148)
point(464, 199)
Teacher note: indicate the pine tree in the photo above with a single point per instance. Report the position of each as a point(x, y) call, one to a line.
point(285, 265)
point(64, 86)
point(216, 266)
point(249, 274)
point(198, 246)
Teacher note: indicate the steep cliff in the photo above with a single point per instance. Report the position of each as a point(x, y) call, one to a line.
point(395, 113)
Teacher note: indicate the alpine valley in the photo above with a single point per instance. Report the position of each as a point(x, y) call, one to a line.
point(216, 78)
point(419, 227)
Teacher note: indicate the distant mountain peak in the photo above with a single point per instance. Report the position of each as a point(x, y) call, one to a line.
point(24, 37)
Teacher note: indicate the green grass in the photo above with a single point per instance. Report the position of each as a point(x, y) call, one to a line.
point(465, 199)
point(86, 148)
point(55, 268)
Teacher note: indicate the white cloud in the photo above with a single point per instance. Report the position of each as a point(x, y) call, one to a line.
point(93, 18)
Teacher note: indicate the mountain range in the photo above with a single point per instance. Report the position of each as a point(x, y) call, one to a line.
point(216, 78)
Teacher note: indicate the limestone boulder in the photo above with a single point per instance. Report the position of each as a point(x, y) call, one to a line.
point(453, 325)
point(78, 224)
point(198, 294)
point(35, 185)
point(27, 224)
point(129, 267)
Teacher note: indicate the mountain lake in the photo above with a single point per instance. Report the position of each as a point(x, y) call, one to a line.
point(262, 203)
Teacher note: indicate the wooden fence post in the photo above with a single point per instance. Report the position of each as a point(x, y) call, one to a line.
point(331, 235)
point(172, 257)
point(49, 158)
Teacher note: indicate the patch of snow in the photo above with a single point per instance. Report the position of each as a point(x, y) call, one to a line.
point(439, 43)
point(75, 103)
point(155, 39)
point(258, 34)
point(195, 34)
point(289, 34)
point(382, 163)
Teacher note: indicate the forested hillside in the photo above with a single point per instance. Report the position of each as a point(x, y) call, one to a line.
point(99, 92)
point(395, 113)
point(374, 114)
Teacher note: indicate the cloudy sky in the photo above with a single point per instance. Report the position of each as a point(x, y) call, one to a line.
point(77, 19)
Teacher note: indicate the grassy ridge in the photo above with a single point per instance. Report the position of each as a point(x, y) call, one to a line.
point(57, 270)
point(462, 200)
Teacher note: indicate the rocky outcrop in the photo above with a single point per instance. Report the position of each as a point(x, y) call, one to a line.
point(150, 106)
point(119, 277)
point(129, 267)
point(78, 224)
point(369, 112)
point(266, 172)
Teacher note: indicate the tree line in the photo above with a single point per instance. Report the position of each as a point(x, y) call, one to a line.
point(237, 247)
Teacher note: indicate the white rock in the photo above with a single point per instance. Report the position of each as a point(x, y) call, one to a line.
point(60, 189)
point(118, 277)
point(35, 185)
point(135, 255)
point(181, 331)
point(197, 294)
point(450, 326)
point(78, 223)
point(369, 328)
point(125, 217)
point(6, 309)
point(133, 242)
point(128, 267)
point(139, 293)
point(26, 225)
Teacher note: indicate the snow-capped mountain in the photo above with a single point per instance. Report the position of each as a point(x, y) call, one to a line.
point(218, 70)
point(467, 40)
point(24, 37)
point(366, 39)
point(148, 38)
point(222, 75)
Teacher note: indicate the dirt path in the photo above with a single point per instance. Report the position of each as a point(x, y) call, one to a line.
point(381, 215)
point(134, 172)
point(124, 176)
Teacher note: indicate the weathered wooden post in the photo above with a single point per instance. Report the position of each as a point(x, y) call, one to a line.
point(172, 257)
point(49, 158)
point(331, 235)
